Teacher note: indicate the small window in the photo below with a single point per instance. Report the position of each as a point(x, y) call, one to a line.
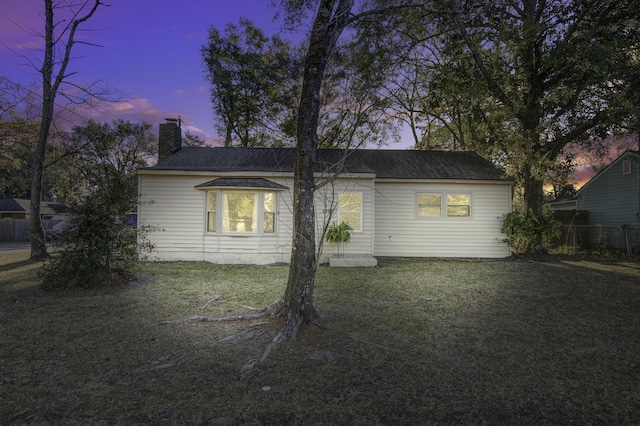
point(626, 167)
point(212, 207)
point(269, 219)
point(350, 210)
point(458, 205)
point(429, 205)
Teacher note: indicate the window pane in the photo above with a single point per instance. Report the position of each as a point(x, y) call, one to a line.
point(429, 210)
point(211, 222)
point(269, 202)
point(269, 218)
point(211, 211)
point(351, 202)
point(459, 200)
point(429, 204)
point(458, 205)
point(269, 222)
point(212, 201)
point(432, 199)
point(353, 219)
point(458, 211)
point(239, 212)
point(350, 210)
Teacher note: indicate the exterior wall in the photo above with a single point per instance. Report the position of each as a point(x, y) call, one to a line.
point(399, 231)
point(612, 198)
point(176, 212)
point(326, 201)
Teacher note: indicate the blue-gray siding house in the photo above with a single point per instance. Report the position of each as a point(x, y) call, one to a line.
point(612, 197)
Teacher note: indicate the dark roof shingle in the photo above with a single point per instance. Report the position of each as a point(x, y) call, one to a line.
point(385, 164)
point(241, 183)
point(10, 205)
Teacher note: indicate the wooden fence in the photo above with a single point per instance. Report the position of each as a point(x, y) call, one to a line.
point(18, 229)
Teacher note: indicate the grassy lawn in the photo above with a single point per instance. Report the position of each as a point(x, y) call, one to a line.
point(410, 342)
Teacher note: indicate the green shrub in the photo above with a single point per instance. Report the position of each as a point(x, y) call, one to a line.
point(530, 233)
point(96, 250)
point(339, 233)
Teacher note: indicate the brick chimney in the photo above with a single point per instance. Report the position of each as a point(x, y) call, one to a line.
point(169, 138)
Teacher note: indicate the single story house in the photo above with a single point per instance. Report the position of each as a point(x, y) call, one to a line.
point(561, 204)
point(235, 205)
point(18, 208)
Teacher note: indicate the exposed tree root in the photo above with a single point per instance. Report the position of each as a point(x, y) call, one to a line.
point(266, 312)
point(288, 332)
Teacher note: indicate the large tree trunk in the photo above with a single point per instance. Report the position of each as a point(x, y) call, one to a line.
point(331, 19)
point(36, 232)
point(532, 188)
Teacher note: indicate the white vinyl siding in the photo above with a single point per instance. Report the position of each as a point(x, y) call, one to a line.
point(178, 214)
point(178, 217)
point(399, 231)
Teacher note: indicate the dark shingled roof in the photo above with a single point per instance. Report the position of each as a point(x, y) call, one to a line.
point(10, 205)
point(241, 183)
point(385, 164)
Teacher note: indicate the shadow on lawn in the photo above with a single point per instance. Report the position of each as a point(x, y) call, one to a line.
point(509, 342)
point(16, 265)
point(557, 348)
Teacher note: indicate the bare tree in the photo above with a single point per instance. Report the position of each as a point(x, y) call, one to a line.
point(60, 37)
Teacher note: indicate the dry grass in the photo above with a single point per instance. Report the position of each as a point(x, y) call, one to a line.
point(410, 342)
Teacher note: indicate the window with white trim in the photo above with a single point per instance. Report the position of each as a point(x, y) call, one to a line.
point(433, 205)
point(212, 209)
point(269, 215)
point(458, 205)
point(241, 212)
point(430, 205)
point(350, 209)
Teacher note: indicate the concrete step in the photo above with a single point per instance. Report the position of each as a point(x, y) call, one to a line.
point(353, 261)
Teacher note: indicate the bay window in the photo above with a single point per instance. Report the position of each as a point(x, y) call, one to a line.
point(241, 212)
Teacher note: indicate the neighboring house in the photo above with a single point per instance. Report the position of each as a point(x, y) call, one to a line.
point(612, 197)
point(18, 208)
point(234, 205)
point(561, 204)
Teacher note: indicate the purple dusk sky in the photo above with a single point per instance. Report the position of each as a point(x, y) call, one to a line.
point(150, 52)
